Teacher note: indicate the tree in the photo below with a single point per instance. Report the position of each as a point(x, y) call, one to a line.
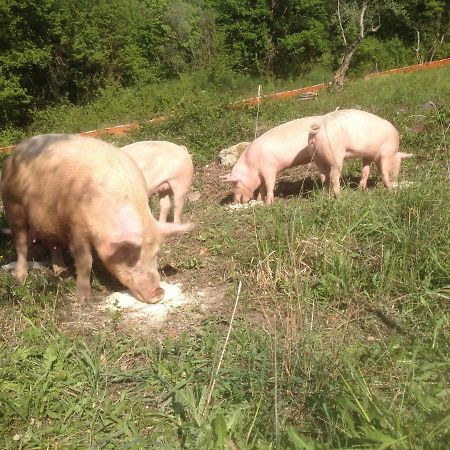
point(427, 20)
point(191, 41)
point(357, 19)
point(300, 34)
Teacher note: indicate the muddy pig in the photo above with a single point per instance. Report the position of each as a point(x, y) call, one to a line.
point(355, 134)
point(84, 193)
point(168, 172)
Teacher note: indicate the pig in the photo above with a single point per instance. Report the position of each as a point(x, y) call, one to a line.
point(279, 148)
point(168, 171)
point(355, 134)
point(84, 193)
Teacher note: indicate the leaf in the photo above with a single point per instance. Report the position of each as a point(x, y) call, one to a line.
point(299, 442)
point(378, 436)
point(220, 431)
point(50, 356)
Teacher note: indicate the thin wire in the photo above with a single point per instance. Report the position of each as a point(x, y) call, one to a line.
point(315, 149)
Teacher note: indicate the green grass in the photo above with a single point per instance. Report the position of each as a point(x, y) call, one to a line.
point(341, 338)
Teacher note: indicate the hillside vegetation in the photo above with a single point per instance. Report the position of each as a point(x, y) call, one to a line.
point(341, 335)
point(65, 53)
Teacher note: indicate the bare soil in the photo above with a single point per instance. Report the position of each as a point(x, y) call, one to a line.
point(194, 261)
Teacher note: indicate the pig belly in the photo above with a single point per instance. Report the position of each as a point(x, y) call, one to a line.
point(163, 188)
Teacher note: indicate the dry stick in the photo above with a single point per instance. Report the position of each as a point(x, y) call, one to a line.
point(275, 363)
point(257, 110)
point(213, 383)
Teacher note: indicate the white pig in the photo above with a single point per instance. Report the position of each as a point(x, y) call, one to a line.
point(82, 192)
point(168, 171)
point(279, 148)
point(355, 134)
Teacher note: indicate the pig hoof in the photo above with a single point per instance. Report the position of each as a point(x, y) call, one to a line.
point(21, 276)
point(84, 296)
point(58, 270)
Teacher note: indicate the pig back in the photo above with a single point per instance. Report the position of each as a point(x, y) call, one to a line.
point(67, 184)
point(161, 162)
point(360, 132)
point(285, 145)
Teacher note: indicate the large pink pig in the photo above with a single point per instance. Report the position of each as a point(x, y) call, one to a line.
point(168, 171)
point(355, 134)
point(84, 193)
point(279, 148)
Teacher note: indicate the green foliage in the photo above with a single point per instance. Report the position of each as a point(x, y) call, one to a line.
point(374, 55)
point(58, 52)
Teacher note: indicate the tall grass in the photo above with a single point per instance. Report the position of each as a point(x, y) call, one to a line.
point(341, 339)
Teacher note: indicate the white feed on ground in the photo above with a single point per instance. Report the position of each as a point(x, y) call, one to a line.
point(156, 313)
point(402, 184)
point(250, 204)
point(33, 264)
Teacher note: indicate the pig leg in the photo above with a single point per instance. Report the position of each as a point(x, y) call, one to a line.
point(336, 169)
point(395, 169)
point(325, 177)
point(82, 254)
point(325, 171)
point(269, 182)
point(364, 173)
point(322, 179)
point(262, 192)
point(19, 228)
point(57, 259)
point(335, 175)
point(179, 194)
point(164, 206)
point(383, 168)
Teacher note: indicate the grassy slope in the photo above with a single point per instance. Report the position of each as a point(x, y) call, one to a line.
point(351, 349)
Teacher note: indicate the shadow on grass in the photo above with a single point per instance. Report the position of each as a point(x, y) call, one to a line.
point(305, 187)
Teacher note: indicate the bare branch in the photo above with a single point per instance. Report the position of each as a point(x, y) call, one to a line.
point(340, 22)
point(376, 28)
point(361, 19)
point(436, 44)
point(417, 49)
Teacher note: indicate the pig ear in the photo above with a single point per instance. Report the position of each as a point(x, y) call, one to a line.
point(131, 237)
point(405, 155)
point(172, 229)
point(108, 249)
point(126, 238)
point(229, 178)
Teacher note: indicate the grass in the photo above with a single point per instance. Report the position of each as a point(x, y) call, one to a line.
point(341, 338)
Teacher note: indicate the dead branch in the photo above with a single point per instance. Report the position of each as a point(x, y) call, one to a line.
point(340, 22)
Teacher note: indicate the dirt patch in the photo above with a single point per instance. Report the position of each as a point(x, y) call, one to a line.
point(298, 181)
point(199, 264)
point(123, 313)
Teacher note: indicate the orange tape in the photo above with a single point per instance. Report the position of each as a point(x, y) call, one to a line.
point(413, 68)
point(120, 130)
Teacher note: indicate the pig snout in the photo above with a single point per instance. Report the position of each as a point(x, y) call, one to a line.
point(150, 297)
point(145, 286)
point(242, 198)
point(156, 297)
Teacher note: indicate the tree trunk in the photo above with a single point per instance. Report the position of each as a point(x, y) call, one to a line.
point(338, 80)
